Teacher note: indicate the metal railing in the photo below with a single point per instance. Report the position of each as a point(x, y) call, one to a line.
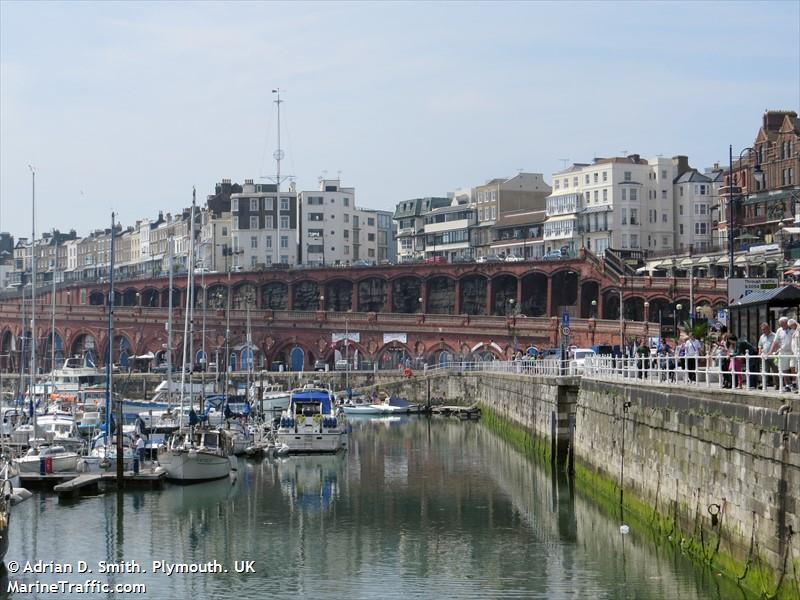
point(551, 367)
point(776, 374)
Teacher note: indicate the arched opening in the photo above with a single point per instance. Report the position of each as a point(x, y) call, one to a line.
point(130, 297)
point(339, 295)
point(634, 309)
point(217, 296)
point(176, 298)
point(441, 357)
point(611, 304)
point(372, 295)
point(275, 296)
point(441, 298)
point(504, 294)
point(244, 297)
point(150, 298)
point(394, 357)
point(565, 292)
point(407, 295)
point(297, 357)
point(97, 298)
point(590, 292)
point(306, 296)
point(53, 360)
point(6, 356)
point(473, 295)
point(534, 295)
point(658, 310)
point(121, 352)
point(84, 346)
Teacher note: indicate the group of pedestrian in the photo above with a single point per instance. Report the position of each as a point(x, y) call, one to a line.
point(779, 352)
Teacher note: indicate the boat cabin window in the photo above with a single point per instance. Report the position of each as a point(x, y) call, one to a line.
point(307, 410)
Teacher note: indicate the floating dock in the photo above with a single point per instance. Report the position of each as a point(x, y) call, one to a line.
point(71, 485)
point(462, 412)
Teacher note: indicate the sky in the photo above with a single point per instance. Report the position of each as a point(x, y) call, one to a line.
point(127, 106)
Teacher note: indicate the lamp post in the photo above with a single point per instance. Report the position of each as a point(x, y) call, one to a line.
point(594, 309)
point(420, 301)
point(733, 199)
point(321, 302)
point(646, 317)
point(678, 308)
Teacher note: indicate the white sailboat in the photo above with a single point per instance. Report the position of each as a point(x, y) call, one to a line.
point(194, 454)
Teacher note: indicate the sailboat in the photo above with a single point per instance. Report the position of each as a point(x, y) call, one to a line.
point(194, 453)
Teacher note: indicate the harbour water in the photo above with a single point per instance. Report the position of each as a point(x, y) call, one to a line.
point(422, 508)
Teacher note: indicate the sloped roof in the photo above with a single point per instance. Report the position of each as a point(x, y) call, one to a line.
point(788, 293)
point(693, 176)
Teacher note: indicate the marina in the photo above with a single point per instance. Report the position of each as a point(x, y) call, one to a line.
point(424, 507)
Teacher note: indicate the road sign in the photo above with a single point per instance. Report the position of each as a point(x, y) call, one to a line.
point(565, 320)
point(565, 330)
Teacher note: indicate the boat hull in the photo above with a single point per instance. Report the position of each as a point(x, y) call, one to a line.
point(61, 464)
point(193, 466)
point(274, 404)
point(305, 440)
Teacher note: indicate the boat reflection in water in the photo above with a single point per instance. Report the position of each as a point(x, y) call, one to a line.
point(311, 482)
point(186, 499)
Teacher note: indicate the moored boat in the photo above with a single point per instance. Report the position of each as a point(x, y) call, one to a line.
point(310, 424)
point(195, 455)
point(53, 459)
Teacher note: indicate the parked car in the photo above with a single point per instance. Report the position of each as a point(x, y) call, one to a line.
point(435, 260)
point(553, 255)
point(361, 263)
point(236, 268)
point(514, 258)
point(579, 356)
point(489, 258)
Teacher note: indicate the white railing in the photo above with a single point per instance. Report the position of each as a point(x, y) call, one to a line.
point(775, 374)
point(552, 367)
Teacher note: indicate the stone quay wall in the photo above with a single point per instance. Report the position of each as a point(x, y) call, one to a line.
point(691, 452)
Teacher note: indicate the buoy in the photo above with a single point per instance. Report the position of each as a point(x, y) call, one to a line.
point(624, 529)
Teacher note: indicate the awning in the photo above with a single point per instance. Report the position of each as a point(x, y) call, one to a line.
point(596, 209)
point(569, 217)
point(791, 230)
point(723, 260)
point(687, 262)
point(740, 260)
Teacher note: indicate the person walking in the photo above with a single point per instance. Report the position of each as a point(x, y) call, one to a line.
point(782, 348)
point(140, 448)
point(691, 352)
point(764, 348)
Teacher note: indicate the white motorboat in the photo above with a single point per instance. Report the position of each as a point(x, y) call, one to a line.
point(310, 424)
point(269, 397)
point(363, 409)
point(53, 459)
point(75, 374)
point(194, 458)
point(8, 475)
point(60, 429)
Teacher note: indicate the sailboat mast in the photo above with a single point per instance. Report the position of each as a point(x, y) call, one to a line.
point(191, 287)
point(186, 330)
point(32, 390)
point(110, 337)
point(169, 323)
point(53, 310)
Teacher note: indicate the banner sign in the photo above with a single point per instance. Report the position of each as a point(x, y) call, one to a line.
point(739, 288)
point(394, 337)
point(352, 336)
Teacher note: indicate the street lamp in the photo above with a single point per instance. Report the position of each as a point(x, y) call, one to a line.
point(321, 302)
point(678, 308)
point(646, 312)
point(594, 309)
point(733, 199)
point(421, 308)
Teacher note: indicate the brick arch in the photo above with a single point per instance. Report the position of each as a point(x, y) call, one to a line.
point(338, 294)
point(374, 297)
point(388, 354)
point(433, 353)
point(473, 293)
point(285, 348)
point(406, 293)
point(440, 294)
point(305, 294)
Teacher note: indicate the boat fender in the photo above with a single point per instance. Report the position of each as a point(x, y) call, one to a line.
point(105, 463)
point(159, 470)
point(81, 466)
